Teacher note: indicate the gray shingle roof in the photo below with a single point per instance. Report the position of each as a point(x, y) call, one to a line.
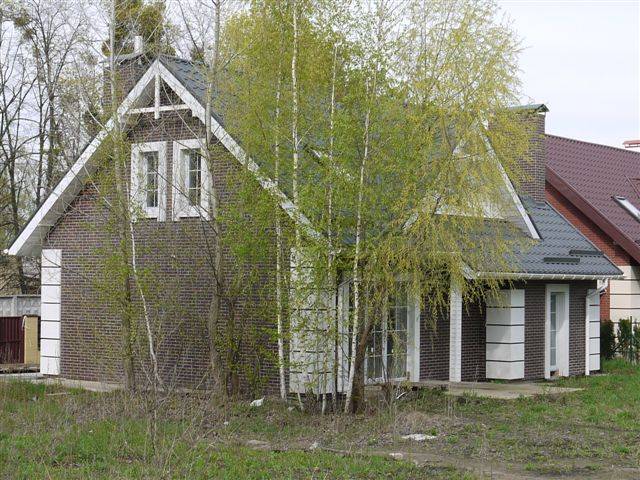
point(562, 249)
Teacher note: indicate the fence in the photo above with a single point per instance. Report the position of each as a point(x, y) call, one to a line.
point(11, 340)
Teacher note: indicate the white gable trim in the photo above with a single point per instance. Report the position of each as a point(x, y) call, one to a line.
point(29, 242)
point(519, 205)
point(30, 239)
point(236, 150)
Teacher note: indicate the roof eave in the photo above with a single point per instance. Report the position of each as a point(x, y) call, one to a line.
point(545, 276)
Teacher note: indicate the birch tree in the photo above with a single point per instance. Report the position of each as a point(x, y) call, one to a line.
point(415, 146)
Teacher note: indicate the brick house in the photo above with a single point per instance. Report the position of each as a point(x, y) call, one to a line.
point(544, 324)
point(597, 188)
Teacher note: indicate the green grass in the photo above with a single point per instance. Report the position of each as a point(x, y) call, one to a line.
point(47, 432)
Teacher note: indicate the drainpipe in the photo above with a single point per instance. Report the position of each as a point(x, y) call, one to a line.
point(604, 286)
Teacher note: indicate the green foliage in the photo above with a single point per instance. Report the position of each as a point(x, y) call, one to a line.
point(628, 340)
point(405, 132)
point(145, 18)
point(607, 339)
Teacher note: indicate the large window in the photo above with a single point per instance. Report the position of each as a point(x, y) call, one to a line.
point(192, 182)
point(148, 180)
point(389, 344)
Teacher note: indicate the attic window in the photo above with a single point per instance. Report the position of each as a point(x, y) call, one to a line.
point(628, 206)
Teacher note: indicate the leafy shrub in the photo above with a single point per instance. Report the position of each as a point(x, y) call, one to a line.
point(625, 339)
point(607, 339)
point(628, 341)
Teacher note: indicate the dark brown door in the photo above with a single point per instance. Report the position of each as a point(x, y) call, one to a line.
point(11, 340)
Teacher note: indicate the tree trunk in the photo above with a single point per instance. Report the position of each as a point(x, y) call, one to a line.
point(218, 369)
point(122, 211)
point(279, 246)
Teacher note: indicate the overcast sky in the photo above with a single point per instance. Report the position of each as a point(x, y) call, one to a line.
point(582, 59)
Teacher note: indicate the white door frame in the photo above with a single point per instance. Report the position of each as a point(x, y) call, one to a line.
point(413, 345)
point(562, 331)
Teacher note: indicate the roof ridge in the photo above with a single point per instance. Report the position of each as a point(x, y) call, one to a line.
point(593, 143)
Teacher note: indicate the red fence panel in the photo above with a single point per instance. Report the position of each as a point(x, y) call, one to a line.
point(11, 340)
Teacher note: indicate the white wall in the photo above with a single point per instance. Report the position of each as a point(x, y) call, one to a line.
point(625, 295)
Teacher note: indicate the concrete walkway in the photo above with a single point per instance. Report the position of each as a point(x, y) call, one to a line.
point(62, 382)
point(503, 391)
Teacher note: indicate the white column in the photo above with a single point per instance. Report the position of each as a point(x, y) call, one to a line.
point(50, 300)
point(455, 334)
point(592, 341)
point(505, 335)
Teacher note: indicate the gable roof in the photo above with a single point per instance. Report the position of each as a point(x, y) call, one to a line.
point(561, 252)
point(590, 176)
point(182, 77)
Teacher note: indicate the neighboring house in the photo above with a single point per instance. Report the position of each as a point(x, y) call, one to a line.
point(545, 324)
point(597, 188)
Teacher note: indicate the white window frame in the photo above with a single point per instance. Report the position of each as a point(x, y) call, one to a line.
point(139, 179)
point(180, 204)
point(562, 331)
point(413, 345)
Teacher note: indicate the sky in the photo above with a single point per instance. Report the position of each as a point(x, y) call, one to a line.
point(582, 59)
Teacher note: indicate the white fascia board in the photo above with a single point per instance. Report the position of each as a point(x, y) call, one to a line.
point(237, 151)
point(518, 203)
point(29, 240)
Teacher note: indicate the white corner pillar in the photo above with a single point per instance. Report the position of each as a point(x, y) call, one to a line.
point(505, 335)
point(50, 301)
point(592, 328)
point(455, 333)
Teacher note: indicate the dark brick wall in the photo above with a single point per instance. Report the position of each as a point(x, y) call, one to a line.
point(178, 256)
point(474, 332)
point(577, 333)
point(534, 325)
point(434, 344)
point(128, 72)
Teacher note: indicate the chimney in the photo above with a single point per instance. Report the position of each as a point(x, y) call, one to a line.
point(129, 68)
point(532, 184)
point(138, 45)
point(631, 144)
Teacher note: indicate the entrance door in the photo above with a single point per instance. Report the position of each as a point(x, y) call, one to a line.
point(558, 330)
point(387, 347)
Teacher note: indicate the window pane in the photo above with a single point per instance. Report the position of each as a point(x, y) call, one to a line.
point(194, 179)
point(150, 160)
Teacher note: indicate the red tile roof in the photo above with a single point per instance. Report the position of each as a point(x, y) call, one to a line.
point(589, 175)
